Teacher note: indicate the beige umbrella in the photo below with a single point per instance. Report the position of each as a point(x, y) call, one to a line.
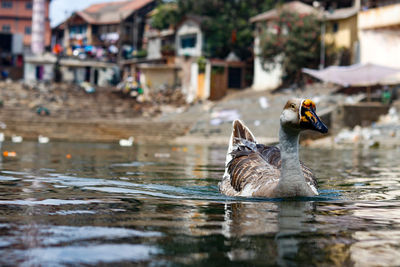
point(355, 75)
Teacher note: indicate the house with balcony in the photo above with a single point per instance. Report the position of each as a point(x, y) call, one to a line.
point(92, 44)
point(108, 31)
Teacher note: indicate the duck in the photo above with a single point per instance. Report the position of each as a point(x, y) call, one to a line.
point(16, 138)
point(257, 170)
point(126, 142)
point(43, 139)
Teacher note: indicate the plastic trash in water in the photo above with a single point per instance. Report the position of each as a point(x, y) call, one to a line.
point(226, 115)
point(263, 101)
point(162, 155)
point(126, 142)
point(9, 154)
point(43, 139)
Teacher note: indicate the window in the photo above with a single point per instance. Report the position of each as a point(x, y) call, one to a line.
point(6, 28)
point(28, 30)
point(335, 27)
point(127, 30)
point(188, 41)
point(6, 4)
point(28, 5)
point(77, 29)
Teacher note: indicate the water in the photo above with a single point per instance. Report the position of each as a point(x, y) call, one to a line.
point(160, 206)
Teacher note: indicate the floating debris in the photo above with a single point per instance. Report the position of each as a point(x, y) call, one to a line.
point(43, 139)
point(127, 142)
point(162, 155)
point(9, 154)
point(16, 138)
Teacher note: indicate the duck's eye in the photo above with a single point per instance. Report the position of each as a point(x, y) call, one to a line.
point(293, 106)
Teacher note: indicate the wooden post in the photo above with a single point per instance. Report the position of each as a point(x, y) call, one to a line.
point(368, 93)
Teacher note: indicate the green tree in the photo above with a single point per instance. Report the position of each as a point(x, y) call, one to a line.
point(293, 41)
point(166, 15)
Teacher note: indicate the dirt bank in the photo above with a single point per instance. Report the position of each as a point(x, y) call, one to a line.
point(108, 116)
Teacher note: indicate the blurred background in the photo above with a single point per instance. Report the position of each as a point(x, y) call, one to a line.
point(165, 63)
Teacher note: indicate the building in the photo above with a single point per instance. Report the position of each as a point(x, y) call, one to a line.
point(342, 33)
point(16, 18)
point(379, 32)
point(189, 37)
point(159, 43)
point(43, 68)
point(114, 28)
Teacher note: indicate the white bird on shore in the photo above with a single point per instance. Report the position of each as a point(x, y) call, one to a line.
point(43, 139)
point(126, 142)
point(1, 137)
point(256, 170)
point(16, 138)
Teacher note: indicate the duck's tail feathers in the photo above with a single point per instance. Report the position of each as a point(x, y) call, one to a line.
point(240, 131)
point(241, 135)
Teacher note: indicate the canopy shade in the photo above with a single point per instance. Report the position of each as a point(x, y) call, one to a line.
point(354, 75)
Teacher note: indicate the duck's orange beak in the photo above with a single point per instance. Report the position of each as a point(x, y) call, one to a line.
point(309, 119)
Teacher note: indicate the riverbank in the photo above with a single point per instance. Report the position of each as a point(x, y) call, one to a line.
point(66, 112)
point(107, 116)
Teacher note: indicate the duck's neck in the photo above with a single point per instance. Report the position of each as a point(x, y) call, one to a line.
point(291, 182)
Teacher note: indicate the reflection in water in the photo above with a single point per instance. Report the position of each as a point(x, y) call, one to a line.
point(291, 218)
point(113, 205)
point(283, 221)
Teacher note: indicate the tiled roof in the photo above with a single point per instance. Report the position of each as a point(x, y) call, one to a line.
point(295, 6)
point(111, 12)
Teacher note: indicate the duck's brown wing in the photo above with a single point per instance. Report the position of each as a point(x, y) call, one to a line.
point(255, 167)
point(259, 166)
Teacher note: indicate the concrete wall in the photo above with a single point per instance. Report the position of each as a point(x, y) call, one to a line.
point(156, 77)
point(264, 80)
point(30, 71)
point(186, 28)
point(379, 35)
point(380, 17)
point(362, 114)
point(67, 74)
point(380, 47)
point(207, 82)
point(78, 75)
point(105, 75)
point(154, 48)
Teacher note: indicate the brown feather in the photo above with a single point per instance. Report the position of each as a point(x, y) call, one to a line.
point(241, 132)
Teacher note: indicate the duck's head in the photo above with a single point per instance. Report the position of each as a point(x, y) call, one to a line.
point(300, 114)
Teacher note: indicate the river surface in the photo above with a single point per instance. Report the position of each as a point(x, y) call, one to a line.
point(64, 204)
